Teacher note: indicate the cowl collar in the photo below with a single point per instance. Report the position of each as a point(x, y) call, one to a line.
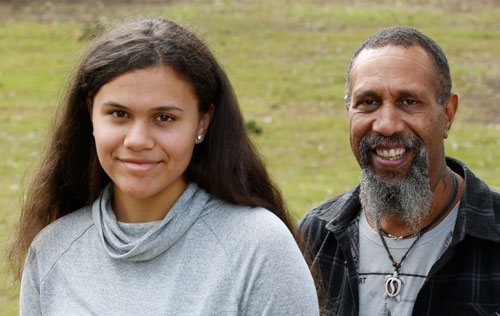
point(145, 241)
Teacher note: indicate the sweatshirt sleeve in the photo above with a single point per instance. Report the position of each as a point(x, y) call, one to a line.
point(279, 281)
point(29, 301)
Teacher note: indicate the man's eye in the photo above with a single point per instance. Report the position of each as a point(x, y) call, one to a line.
point(164, 118)
point(367, 104)
point(409, 102)
point(119, 114)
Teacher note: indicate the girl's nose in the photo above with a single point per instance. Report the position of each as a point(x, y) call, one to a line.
point(138, 137)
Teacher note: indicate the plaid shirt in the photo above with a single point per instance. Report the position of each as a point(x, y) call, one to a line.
point(465, 280)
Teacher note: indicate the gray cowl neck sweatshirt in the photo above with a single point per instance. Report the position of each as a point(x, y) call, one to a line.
point(206, 257)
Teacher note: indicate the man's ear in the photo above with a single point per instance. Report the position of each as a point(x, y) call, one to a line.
point(346, 99)
point(449, 111)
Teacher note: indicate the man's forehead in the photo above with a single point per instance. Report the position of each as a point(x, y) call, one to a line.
point(392, 65)
point(414, 56)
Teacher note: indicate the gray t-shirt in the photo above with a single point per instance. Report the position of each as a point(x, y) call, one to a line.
point(206, 257)
point(375, 265)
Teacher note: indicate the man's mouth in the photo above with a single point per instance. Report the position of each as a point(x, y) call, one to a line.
point(390, 153)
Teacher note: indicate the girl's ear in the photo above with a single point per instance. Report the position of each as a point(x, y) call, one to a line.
point(205, 120)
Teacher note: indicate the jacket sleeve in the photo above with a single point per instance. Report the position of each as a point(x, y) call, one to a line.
point(29, 301)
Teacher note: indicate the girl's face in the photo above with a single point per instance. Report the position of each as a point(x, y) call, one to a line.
point(146, 124)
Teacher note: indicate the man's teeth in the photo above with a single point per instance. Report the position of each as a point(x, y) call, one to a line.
point(391, 154)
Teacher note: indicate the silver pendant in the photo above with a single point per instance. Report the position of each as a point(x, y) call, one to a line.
point(393, 285)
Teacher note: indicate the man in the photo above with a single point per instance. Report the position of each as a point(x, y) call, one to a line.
point(420, 234)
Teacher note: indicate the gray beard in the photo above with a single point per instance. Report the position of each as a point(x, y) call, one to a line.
point(409, 198)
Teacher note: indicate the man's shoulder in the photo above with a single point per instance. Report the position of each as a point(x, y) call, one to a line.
point(477, 194)
point(479, 212)
point(338, 209)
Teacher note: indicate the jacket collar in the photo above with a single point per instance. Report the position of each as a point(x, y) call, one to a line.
point(477, 216)
point(349, 208)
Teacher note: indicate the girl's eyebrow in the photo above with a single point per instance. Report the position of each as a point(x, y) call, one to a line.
point(114, 104)
point(169, 107)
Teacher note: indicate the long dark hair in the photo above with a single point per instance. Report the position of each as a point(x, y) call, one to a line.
point(225, 164)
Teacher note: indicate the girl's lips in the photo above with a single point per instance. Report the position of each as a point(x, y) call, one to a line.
point(137, 165)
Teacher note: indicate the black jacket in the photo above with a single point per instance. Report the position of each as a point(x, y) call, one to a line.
point(464, 281)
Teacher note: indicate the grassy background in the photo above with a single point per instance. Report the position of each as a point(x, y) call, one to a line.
point(287, 60)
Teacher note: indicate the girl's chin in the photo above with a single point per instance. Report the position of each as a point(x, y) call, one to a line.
point(138, 192)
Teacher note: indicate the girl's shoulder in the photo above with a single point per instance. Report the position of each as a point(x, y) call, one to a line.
point(247, 227)
point(56, 238)
point(70, 224)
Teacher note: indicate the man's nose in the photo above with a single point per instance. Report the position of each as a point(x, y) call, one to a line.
point(139, 137)
point(388, 120)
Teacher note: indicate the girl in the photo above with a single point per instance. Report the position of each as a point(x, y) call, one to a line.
point(151, 199)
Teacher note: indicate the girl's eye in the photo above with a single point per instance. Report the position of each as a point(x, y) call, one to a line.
point(164, 118)
point(119, 114)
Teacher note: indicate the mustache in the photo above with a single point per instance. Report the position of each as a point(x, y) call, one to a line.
point(368, 143)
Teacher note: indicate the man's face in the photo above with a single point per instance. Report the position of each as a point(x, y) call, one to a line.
point(393, 95)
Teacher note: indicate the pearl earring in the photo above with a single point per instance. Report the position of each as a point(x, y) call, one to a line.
point(199, 137)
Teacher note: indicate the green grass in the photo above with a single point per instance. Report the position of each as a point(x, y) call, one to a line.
point(287, 60)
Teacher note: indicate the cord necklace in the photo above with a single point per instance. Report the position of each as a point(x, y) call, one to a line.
point(394, 282)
